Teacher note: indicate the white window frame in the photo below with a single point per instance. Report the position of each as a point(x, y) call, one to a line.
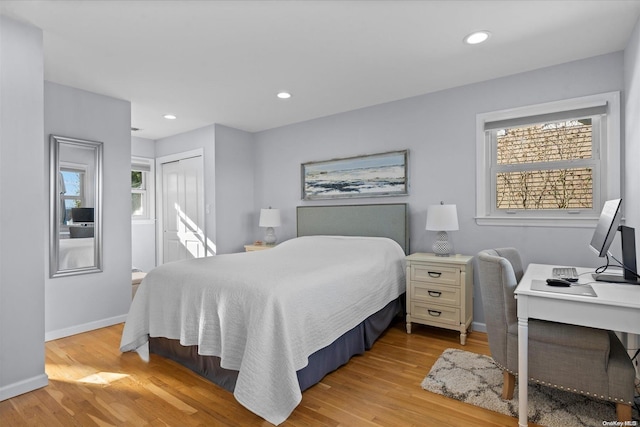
point(606, 179)
point(147, 166)
point(82, 170)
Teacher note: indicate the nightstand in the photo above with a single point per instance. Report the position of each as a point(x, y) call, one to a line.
point(440, 292)
point(254, 247)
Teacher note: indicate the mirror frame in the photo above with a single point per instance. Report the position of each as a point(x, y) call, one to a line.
point(54, 208)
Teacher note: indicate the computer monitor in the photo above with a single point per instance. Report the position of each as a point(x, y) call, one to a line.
point(607, 226)
point(605, 232)
point(82, 215)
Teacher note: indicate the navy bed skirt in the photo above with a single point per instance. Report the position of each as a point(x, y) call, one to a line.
point(353, 342)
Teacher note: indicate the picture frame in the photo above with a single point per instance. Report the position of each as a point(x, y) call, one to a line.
point(372, 175)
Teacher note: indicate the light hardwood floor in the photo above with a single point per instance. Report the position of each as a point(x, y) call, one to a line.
point(92, 384)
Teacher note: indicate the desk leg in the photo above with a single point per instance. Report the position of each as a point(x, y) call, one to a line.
point(523, 371)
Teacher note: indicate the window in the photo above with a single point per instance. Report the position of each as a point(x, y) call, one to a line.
point(545, 166)
point(141, 189)
point(72, 180)
point(550, 164)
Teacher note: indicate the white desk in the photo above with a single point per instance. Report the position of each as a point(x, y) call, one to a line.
point(617, 308)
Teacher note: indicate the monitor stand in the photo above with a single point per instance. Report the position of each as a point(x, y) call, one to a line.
point(628, 240)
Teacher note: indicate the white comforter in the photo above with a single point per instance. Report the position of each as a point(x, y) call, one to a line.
point(76, 253)
point(263, 313)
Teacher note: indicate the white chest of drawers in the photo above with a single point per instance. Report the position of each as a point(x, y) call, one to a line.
point(440, 292)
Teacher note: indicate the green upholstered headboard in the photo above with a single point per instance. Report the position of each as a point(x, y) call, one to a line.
point(372, 220)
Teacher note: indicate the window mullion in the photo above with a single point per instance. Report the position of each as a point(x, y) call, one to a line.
point(567, 164)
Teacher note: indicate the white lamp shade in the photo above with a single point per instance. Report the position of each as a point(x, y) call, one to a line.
point(269, 218)
point(442, 218)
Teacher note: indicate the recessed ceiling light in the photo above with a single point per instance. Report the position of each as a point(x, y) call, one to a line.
point(283, 95)
point(170, 116)
point(477, 37)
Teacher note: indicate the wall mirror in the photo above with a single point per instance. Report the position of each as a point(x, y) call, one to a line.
point(75, 206)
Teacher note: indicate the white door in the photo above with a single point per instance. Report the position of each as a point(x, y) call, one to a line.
point(182, 210)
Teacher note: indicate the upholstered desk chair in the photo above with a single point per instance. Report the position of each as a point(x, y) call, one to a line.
point(592, 362)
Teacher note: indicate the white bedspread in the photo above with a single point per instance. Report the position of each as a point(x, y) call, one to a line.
point(76, 253)
point(264, 312)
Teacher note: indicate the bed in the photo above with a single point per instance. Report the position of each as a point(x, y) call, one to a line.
point(269, 324)
point(76, 253)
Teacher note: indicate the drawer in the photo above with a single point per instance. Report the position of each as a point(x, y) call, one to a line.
point(435, 273)
point(434, 313)
point(435, 293)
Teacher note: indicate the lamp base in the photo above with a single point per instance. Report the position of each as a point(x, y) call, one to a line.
point(270, 236)
point(442, 247)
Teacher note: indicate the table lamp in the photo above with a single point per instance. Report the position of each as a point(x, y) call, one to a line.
point(442, 218)
point(269, 218)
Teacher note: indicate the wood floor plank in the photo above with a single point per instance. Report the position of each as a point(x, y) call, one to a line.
point(92, 384)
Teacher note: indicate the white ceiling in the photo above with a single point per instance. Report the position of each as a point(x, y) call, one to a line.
point(224, 61)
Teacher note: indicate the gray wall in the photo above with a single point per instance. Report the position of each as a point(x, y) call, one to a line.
point(632, 129)
point(143, 147)
point(632, 146)
point(236, 216)
point(23, 217)
point(439, 131)
point(80, 303)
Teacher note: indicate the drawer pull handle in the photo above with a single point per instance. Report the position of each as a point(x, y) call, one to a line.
point(435, 274)
point(435, 313)
point(435, 294)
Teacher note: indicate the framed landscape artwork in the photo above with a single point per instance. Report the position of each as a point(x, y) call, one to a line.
point(374, 175)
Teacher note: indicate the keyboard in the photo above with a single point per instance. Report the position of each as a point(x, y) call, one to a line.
point(566, 273)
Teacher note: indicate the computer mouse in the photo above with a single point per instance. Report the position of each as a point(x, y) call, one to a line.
point(558, 282)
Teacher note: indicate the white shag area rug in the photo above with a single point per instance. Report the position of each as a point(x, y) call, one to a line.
point(475, 379)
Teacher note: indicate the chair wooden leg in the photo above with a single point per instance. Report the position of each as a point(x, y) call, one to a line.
point(623, 412)
point(509, 384)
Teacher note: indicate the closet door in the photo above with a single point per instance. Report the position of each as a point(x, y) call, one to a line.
point(182, 210)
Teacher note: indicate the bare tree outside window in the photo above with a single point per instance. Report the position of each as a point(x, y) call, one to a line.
point(535, 166)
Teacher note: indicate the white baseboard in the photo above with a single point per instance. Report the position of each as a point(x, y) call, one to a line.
point(86, 327)
point(24, 386)
point(480, 327)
